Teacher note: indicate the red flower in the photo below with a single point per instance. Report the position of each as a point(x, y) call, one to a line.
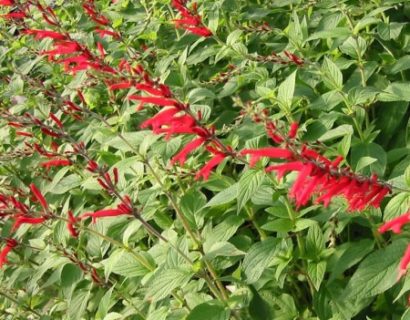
point(56, 120)
point(200, 31)
point(39, 196)
point(282, 169)
point(120, 85)
point(21, 219)
point(163, 91)
point(104, 33)
point(24, 134)
point(41, 34)
point(160, 119)
point(293, 130)
point(56, 163)
point(395, 224)
point(205, 171)
point(14, 15)
point(11, 243)
point(271, 152)
point(191, 146)
point(191, 20)
point(404, 262)
point(105, 213)
point(71, 224)
point(6, 2)
point(154, 100)
point(63, 47)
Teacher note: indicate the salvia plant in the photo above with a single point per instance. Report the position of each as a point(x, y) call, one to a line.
point(210, 160)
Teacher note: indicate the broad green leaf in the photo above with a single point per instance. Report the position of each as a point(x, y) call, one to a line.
point(286, 91)
point(341, 131)
point(70, 275)
point(209, 311)
point(316, 272)
point(78, 304)
point(377, 272)
point(222, 249)
point(165, 281)
point(248, 184)
point(369, 150)
point(225, 196)
point(258, 258)
point(332, 76)
point(397, 206)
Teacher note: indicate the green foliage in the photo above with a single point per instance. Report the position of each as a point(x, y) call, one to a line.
point(235, 246)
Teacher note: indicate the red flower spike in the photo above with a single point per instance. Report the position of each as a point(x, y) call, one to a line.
point(271, 152)
point(101, 50)
point(404, 262)
point(154, 100)
point(206, 169)
point(115, 172)
point(14, 15)
point(120, 85)
point(70, 224)
point(282, 169)
point(56, 120)
point(160, 119)
point(56, 163)
point(6, 2)
point(92, 166)
point(23, 219)
point(395, 224)
point(42, 34)
point(50, 133)
point(24, 134)
point(103, 214)
point(293, 130)
point(10, 244)
point(200, 31)
point(102, 33)
point(39, 196)
point(191, 146)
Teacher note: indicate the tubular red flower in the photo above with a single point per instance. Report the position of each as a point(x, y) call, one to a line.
point(151, 90)
point(24, 134)
point(120, 85)
point(191, 146)
point(282, 169)
point(71, 224)
point(29, 220)
point(14, 15)
point(56, 120)
point(56, 163)
point(404, 262)
point(104, 33)
point(205, 171)
point(49, 132)
point(104, 213)
point(11, 243)
point(199, 31)
point(39, 196)
point(6, 2)
point(41, 34)
point(395, 224)
point(271, 152)
point(154, 100)
point(293, 130)
point(160, 119)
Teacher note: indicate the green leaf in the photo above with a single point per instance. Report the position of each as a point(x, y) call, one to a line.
point(78, 304)
point(233, 37)
point(396, 92)
point(225, 196)
point(397, 206)
point(332, 76)
point(259, 308)
point(66, 184)
point(340, 32)
point(315, 242)
point(377, 273)
point(258, 258)
point(286, 91)
point(355, 252)
point(249, 183)
point(316, 272)
point(209, 311)
point(369, 150)
point(165, 281)
point(70, 275)
point(223, 249)
point(341, 131)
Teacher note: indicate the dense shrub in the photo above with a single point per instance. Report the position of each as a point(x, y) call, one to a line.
point(229, 159)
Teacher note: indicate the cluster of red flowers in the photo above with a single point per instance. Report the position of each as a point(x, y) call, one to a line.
point(317, 175)
point(15, 14)
point(191, 20)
